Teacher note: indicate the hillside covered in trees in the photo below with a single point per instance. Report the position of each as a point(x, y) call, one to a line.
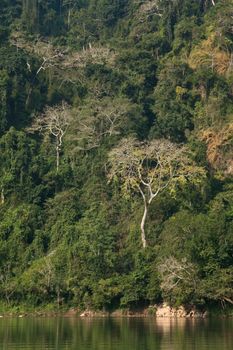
point(116, 144)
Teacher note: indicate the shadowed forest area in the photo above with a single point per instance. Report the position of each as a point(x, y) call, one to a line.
point(116, 144)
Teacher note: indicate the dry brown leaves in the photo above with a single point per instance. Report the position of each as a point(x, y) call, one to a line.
point(220, 148)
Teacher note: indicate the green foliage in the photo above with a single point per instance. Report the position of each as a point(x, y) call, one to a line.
point(206, 240)
point(174, 102)
point(21, 92)
point(3, 100)
point(142, 70)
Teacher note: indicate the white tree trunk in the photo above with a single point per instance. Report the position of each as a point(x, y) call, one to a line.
point(2, 196)
point(68, 20)
point(143, 235)
point(58, 156)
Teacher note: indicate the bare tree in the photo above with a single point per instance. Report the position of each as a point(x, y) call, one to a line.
point(149, 8)
point(54, 121)
point(61, 58)
point(7, 283)
point(174, 273)
point(90, 54)
point(149, 168)
point(98, 119)
point(49, 55)
point(71, 6)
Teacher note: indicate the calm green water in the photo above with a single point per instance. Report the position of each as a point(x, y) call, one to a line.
point(115, 334)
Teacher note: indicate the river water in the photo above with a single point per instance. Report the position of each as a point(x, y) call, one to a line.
point(115, 334)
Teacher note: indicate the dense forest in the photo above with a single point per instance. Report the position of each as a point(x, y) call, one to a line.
point(116, 143)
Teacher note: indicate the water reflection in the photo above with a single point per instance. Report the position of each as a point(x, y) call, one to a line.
point(114, 334)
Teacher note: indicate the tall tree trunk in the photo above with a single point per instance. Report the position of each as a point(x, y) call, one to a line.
point(58, 297)
point(2, 196)
point(143, 235)
point(58, 156)
point(68, 20)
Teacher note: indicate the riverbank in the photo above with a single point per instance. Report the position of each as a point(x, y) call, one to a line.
point(158, 311)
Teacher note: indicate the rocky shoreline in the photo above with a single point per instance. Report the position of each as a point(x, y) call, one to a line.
point(163, 310)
